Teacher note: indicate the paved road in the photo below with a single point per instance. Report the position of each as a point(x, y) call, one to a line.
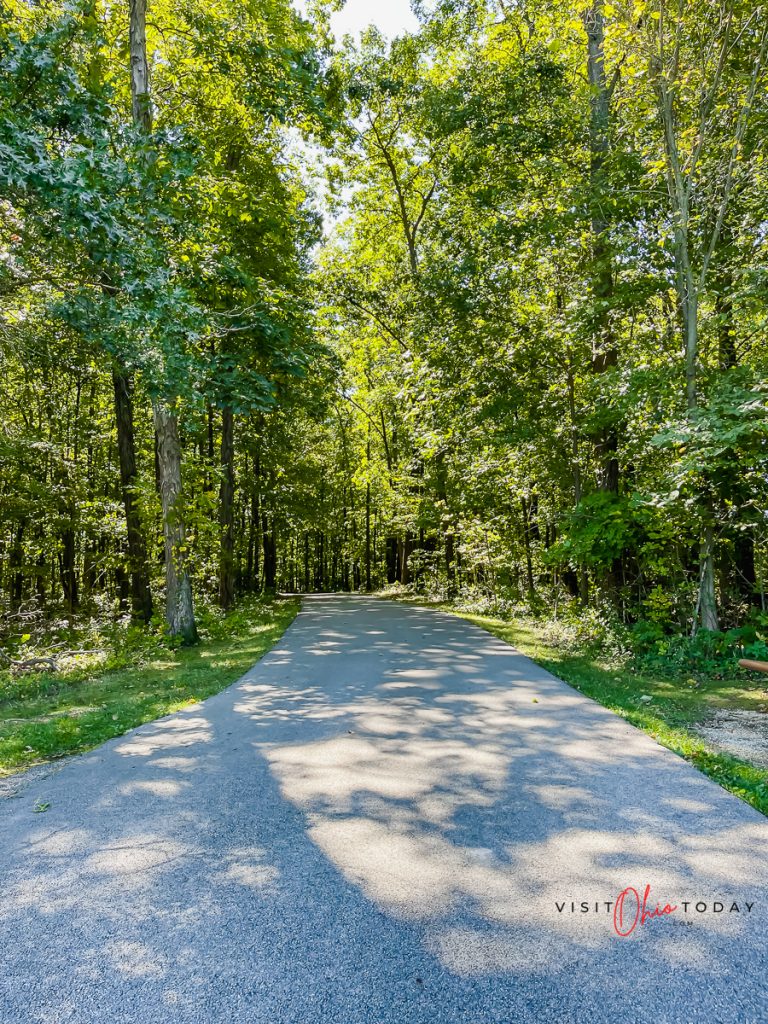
point(376, 826)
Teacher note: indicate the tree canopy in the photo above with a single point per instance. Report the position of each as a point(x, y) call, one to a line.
point(480, 309)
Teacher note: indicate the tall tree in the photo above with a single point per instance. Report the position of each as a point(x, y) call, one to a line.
point(605, 353)
point(179, 605)
point(705, 109)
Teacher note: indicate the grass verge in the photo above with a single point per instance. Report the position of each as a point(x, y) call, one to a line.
point(45, 716)
point(676, 706)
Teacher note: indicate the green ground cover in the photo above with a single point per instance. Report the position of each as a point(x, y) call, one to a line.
point(47, 715)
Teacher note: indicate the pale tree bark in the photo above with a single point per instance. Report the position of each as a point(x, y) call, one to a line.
point(688, 288)
point(140, 94)
point(708, 595)
point(179, 610)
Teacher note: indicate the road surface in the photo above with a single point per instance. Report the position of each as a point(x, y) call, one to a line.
point(394, 818)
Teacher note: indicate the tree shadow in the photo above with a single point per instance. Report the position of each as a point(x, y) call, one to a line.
point(379, 823)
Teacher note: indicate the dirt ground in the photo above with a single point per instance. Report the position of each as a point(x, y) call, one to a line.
point(743, 734)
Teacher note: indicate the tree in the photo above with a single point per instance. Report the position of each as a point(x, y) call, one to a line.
point(179, 607)
point(705, 111)
point(523, 361)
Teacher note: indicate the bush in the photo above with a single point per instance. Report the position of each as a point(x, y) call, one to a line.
point(706, 654)
point(648, 646)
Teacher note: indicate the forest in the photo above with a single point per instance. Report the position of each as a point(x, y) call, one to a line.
point(477, 314)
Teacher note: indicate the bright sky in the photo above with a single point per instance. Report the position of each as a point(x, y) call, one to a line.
point(392, 17)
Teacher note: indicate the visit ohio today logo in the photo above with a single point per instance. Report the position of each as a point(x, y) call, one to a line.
point(630, 910)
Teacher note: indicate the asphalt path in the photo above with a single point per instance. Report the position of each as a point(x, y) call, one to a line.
point(392, 818)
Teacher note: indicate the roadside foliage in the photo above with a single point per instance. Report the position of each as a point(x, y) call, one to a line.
point(477, 312)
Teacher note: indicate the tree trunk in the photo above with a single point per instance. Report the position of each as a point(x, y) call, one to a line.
point(691, 322)
point(227, 511)
point(179, 610)
point(688, 287)
point(270, 553)
point(255, 523)
point(320, 568)
point(447, 529)
point(141, 596)
point(450, 561)
point(68, 569)
point(404, 548)
point(40, 576)
point(604, 347)
point(137, 36)
point(15, 565)
point(708, 598)
point(726, 331)
point(746, 574)
point(123, 586)
point(527, 545)
point(252, 567)
point(368, 586)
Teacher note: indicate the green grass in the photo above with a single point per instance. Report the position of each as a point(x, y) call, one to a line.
point(46, 716)
point(677, 704)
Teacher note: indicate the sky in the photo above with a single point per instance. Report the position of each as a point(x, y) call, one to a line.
point(392, 17)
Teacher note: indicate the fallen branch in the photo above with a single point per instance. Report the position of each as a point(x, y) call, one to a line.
point(28, 664)
point(51, 663)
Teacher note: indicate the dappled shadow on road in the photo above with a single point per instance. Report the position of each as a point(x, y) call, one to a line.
point(468, 782)
point(379, 823)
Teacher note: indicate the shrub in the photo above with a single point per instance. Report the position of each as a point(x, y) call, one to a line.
point(714, 654)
